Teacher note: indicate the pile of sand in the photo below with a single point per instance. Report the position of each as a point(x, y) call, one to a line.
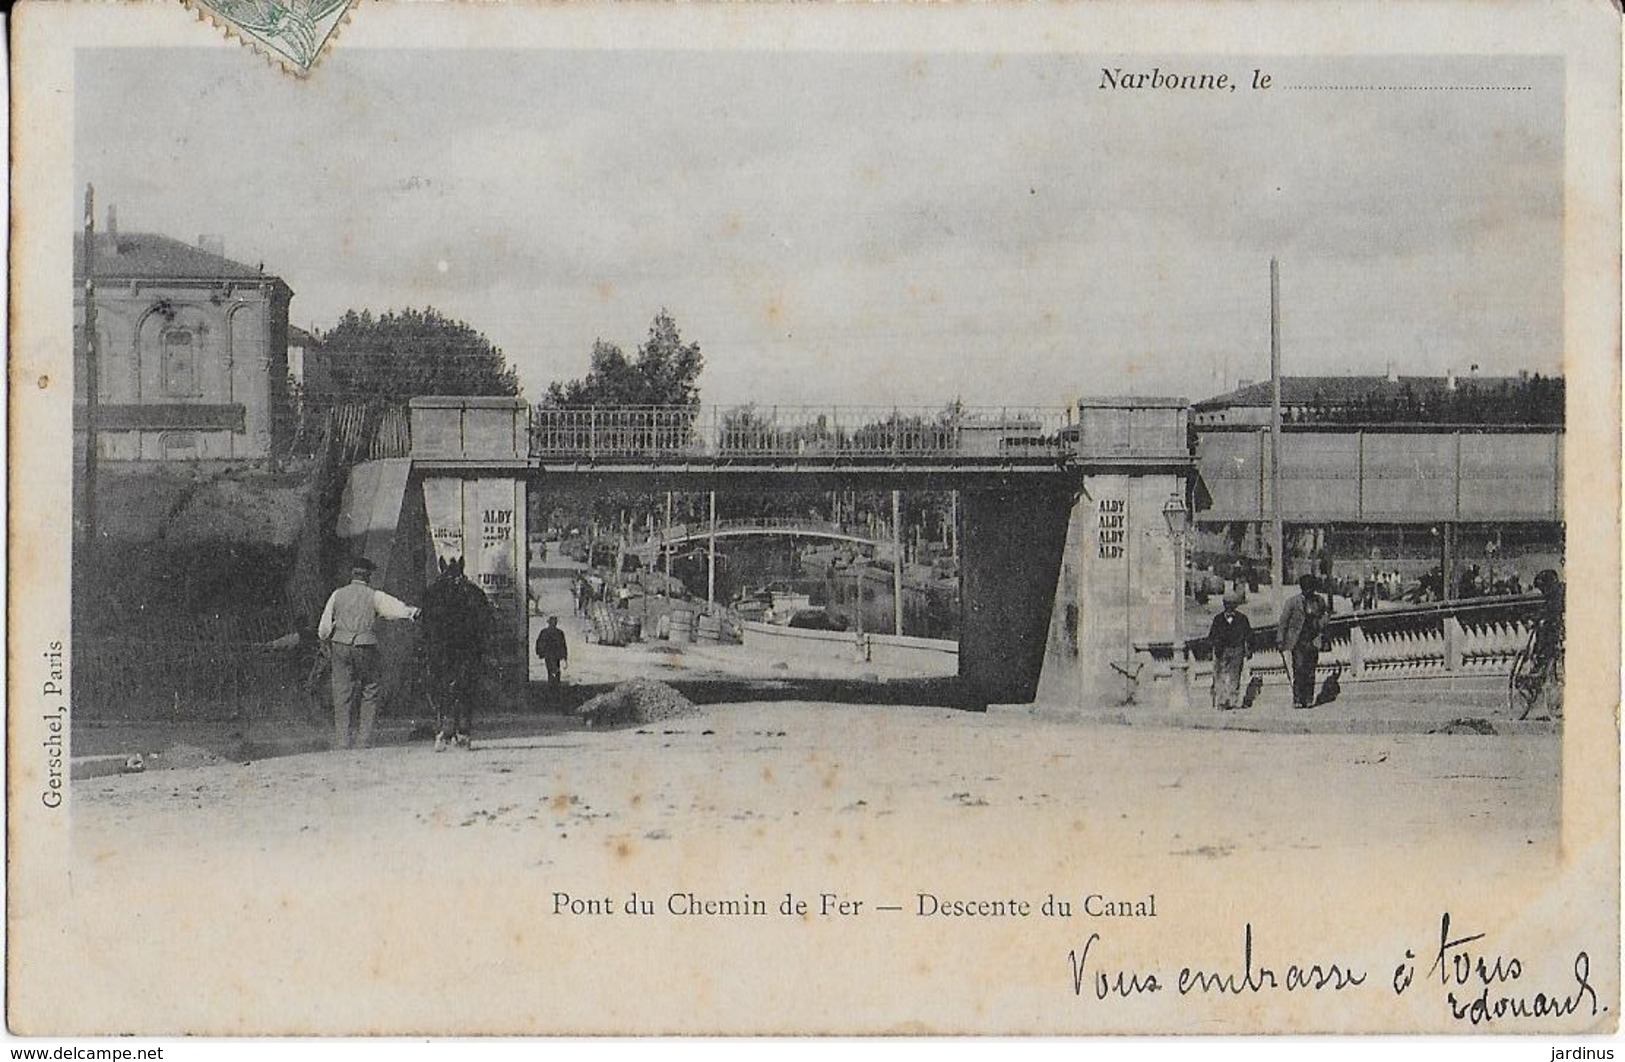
point(639, 701)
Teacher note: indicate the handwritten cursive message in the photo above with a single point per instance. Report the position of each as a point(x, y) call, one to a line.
point(1479, 986)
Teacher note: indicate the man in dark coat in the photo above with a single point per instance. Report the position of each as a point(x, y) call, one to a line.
point(1544, 681)
point(551, 647)
point(458, 621)
point(1303, 623)
point(1230, 638)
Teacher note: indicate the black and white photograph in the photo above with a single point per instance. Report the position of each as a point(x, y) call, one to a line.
point(813, 520)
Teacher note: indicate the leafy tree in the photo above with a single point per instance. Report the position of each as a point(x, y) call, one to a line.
point(666, 372)
point(398, 356)
point(612, 381)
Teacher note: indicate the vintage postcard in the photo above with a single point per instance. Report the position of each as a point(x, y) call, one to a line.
point(555, 519)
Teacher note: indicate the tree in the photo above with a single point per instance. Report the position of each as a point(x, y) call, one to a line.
point(666, 372)
point(398, 356)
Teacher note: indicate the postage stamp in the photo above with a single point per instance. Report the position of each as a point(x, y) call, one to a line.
point(292, 33)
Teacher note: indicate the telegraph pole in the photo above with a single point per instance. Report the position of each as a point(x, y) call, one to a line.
point(92, 383)
point(1277, 535)
point(711, 557)
point(897, 562)
point(665, 547)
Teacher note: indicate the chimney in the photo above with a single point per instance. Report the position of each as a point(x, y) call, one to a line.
point(112, 223)
point(1393, 373)
point(1450, 379)
point(215, 245)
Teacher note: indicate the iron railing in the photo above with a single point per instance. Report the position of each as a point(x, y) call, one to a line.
point(766, 525)
point(666, 433)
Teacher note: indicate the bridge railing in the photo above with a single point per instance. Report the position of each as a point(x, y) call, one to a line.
point(788, 525)
point(799, 432)
point(615, 432)
point(1480, 636)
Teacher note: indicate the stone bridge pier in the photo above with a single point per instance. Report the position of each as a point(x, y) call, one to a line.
point(1059, 585)
point(478, 513)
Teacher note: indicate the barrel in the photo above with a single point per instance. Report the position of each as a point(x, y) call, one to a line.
point(709, 628)
point(682, 626)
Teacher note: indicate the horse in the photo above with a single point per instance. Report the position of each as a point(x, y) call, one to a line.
point(457, 619)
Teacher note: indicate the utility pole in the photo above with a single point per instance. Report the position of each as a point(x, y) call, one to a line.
point(665, 548)
point(857, 589)
point(897, 561)
point(1277, 534)
point(92, 381)
point(711, 565)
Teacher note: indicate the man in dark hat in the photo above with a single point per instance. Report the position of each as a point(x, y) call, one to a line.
point(1303, 622)
point(347, 626)
point(1230, 638)
point(551, 647)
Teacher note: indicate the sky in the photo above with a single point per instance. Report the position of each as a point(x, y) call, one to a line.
point(877, 228)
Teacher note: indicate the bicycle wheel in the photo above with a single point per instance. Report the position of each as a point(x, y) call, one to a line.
point(1523, 686)
point(1550, 697)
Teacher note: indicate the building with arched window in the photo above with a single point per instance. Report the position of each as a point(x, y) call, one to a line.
point(192, 351)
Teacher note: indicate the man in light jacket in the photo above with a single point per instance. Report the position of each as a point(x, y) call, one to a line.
point(347, 627)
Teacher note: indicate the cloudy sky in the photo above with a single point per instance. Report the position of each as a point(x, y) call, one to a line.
point(875, 228)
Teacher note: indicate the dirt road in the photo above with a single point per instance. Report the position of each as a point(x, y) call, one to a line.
point(399, 890)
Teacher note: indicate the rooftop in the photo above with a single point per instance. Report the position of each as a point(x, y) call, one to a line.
point(147, 255)
point(1339, 390)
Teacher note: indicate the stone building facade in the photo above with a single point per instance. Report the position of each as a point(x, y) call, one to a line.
point(192, 352)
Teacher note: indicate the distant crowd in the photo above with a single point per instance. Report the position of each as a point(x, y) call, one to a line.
point(1365, 593)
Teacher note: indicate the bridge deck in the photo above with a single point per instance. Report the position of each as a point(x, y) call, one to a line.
point(700, 475)
point(1359, 474)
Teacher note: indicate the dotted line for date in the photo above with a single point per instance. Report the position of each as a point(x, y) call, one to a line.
point(1409, 88)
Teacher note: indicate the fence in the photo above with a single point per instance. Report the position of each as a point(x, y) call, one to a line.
point(187, 671)
point(214, 673)
point(791, 432)
point(356, 431)
point(136, 664)
point(187, 681)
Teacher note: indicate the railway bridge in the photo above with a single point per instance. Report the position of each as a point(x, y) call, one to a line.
point(1073, 521)
point(1063, 512)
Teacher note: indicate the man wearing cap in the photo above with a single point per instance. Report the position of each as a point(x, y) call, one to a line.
point(347, 626)
point(1230, 638)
